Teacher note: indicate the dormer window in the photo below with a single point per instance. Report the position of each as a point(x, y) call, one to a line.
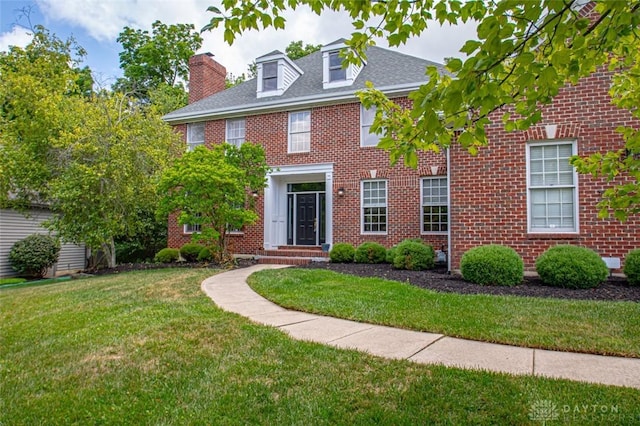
point(276, 73)
point(270, 76)
point(333, 74)
point(336, 72)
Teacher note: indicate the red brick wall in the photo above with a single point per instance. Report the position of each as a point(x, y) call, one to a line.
point(489, 193)
point(335, 138)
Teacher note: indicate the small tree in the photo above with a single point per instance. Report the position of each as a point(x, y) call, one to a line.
point(213, 188)
point(33, 255)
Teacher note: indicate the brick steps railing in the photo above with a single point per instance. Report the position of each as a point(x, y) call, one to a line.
point(292, 255)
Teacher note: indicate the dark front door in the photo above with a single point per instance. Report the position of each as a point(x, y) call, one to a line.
point(306, 219)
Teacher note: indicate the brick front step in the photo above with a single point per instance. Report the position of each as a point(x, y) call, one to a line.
point(293, 252)
point(284, 260)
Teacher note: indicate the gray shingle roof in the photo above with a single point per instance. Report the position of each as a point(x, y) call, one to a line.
point(385, 68)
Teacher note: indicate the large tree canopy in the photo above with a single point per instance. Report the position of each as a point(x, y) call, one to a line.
point(524, 53)
point(159, 58)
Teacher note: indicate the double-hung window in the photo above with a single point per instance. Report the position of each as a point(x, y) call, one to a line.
point(270, 76)
point(195, 135)
point(336, 72)
point(435, 215)
point(190, 228)
point(235, 132)
point(374, 207)
point(366, 120)
point(299, 131)
point(552, 187)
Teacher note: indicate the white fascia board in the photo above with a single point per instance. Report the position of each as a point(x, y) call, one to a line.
point(285, 104)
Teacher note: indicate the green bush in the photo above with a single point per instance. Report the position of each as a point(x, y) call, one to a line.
point(167, 255)
point(190, 251)
point(205, 255)
point(632, 267)
point(413, 256)
point(492, 265)
point(370, 253)
point(33, 255)
point(342, 253)
point(571, 267)
point(391, 254)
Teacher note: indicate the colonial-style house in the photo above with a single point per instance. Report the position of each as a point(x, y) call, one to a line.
point(330, 183)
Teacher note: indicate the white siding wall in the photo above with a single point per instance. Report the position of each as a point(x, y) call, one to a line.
point(14, 227)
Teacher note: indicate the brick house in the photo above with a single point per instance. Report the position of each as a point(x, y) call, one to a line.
point(330, 183)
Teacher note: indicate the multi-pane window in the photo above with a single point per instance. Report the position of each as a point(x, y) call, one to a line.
point(551, 187)
point(270, 76)
point(236, 131)
point(300, 131)
point(336, 72)
point(435, 217)
point(366, 119)
point(190, 228)
point(374, 206)
point(195, 135)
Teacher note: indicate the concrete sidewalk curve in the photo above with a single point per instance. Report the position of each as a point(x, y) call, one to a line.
point(229, 290)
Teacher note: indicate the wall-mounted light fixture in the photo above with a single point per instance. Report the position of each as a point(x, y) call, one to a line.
point(255, 194)
point(340, 192)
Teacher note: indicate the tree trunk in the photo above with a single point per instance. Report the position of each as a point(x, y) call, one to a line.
point(109, 249)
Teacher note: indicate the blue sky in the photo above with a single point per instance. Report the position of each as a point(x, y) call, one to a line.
point(95, 24)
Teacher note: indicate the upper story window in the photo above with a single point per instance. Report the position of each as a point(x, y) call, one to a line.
point(236, 131)
point(435, 217)
point(374, 207)
point(276, 73)
point(336, 72)
point(552, 187)
point(195, 135)
point(299, 131)
point(270, 76)
point(333, 74)
point(366, 120)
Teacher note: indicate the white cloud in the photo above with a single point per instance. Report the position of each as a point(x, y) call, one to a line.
point(18, 36)
point(104, 20)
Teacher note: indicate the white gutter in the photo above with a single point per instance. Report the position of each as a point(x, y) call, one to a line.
point(281, 104)
point(449, 211)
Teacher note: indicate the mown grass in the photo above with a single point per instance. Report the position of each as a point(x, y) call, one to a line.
point(608, 328)
point(151, 348)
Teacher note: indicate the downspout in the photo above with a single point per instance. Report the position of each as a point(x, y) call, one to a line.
point(449, 210)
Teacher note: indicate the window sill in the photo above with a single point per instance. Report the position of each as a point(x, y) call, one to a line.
point(235, 233)
point(374, 233)
point(298, 152)
point(445, 233)
point(551, 236)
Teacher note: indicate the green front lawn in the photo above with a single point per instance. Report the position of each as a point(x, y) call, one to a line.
point(608, 328)
point(150, 348)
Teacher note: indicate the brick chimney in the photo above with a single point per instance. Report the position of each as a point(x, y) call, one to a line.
point(206, 77)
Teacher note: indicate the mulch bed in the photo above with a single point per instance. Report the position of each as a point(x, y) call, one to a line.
point(615, 288)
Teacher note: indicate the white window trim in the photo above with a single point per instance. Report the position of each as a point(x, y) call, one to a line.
point(362, 207)
point(289, 150)
point(186, 230)
point(362, 135)
point(226, 130)
point(576, 205)
point(422, 231)
point(191, 146)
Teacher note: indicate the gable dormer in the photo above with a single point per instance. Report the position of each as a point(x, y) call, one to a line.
point(276, 73)
point(333, 73)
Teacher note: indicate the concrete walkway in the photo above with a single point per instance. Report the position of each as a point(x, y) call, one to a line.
point(230, 291)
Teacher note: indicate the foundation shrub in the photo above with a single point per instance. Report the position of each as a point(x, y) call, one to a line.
point(571, 267)
point(492, 264)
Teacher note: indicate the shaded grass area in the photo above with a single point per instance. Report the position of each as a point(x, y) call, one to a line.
point(608, 328)
point(150, 348)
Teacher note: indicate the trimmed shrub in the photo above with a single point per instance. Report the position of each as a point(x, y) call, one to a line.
point(167, 255)
point(205, 255)
point(492, 264)
point(342, 253)
point(391, 254)
point(571, 267)
point(33, 255)
point(413, 256)
point(632, 267)
point(370, 253)
point(190, 251)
